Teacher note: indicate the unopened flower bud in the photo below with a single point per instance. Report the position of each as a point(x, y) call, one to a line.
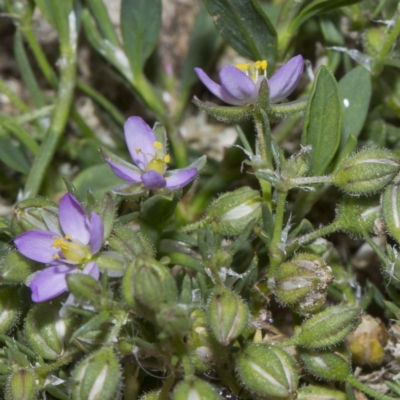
point(227, 315)
point(390, 205)
point(312, 392)
point(357, 215)
point(200, 342)
point(38, 213)
point(9, 304)
point(21, 385)
point(328, 327)
point(232, 211)
point(296, 166)
point(172, 320)
point(195, 389)
point(366, 343)
point(15, 268)
point(326, 364)
point(47, 333)
point(97, 377)
point(368, 171)
point(268, 371)
point(153, 284)
point(302, 283)
point(84, 287)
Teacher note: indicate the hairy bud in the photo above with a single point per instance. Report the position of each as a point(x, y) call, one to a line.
point(227, 315)
point(328, 327)
point(9, 304)
point(302, 283)
point(368, 171)
point(326, 364)
point(195, 389)
point(97, 377)
point(232, 211)
point(312, 392)
point(47, 333)
point(172, 320)
point(21, 385)
point(268, 371)
point(390, 205)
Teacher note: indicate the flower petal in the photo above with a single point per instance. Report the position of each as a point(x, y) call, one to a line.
point(285, 80)
point(181, 178)
point(50, 282)
point(236, 83)
point(140, 140)
point(93, 270)
point(215, 89)
point(122, 172)
point(96, 229)
point(73, 219)
point(37, 245)
point(153, 180)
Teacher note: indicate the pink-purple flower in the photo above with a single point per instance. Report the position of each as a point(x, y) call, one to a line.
point(66, 252)
point(240, 85)
point(149, 153)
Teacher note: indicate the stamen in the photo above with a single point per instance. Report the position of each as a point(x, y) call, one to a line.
point(167, 158)
point(67, 236)
point(158, 145)
point(56, 256)
point(138, 149)
point(263, 64)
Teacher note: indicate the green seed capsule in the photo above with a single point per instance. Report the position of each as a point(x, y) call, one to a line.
point(328, 327)
point(312, 392)
point(9, 304)
point(368, 171)
point(326, 364)
point(84, 287)
point(232, 211)
point(227, 315)
point(22, 386)
point(302, 283)
point(15, 268)
point(47, 333)
point(390, 205)
point(195, 389)
point(268, 371)
point(97, 377)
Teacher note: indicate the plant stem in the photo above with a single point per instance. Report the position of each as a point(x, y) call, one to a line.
point(166, 389)
point(279, 214)
point(391, 38)
point(364, 388)
point(310, 237)
point(64, 359)
point(310, 180)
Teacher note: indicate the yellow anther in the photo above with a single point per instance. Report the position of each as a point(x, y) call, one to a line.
point(167, 158)
point(158, 145)
point(67, 236)
point(263, 64)
point(243, 67)
point(257, 64)
point(56, 256)
point(138, 149)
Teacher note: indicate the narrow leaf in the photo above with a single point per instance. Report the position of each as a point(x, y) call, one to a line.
point(244, 25)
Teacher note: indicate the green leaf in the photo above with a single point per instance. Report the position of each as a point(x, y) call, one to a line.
point(322, 122)
point(140, 24)
point(355, 91)
point(98, 178)
point(244, 25)
point(12, 155)
point(155, 214)
point(319, 7)
point(100, 13)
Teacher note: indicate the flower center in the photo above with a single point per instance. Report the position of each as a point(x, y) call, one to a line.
point(72, 251)
point(254, 70)
point(159, 162)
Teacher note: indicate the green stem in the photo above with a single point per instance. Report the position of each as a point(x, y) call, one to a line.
point(59, 120)
point(64, 359)
point(243, 139)
point(383, 257)
point(391, 38)
point(279, 214)
point(310, 237)
point(364, 388)
point(295, 182)
point(14, 99)
point(166, 389)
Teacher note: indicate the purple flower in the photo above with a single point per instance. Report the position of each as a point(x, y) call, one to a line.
point(240, 85)
point(148, 152)
point(67, 252)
